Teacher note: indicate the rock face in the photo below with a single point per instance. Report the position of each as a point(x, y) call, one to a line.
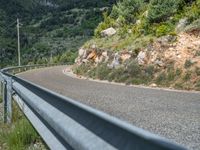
point(162, 52)
point(108, 32)
point(171, 50)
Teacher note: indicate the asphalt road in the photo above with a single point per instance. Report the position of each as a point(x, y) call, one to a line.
point(174, 115)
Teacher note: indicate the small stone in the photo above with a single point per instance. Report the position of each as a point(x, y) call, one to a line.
point(108, 32)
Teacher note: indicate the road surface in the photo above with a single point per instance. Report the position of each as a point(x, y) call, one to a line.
point(174, 115)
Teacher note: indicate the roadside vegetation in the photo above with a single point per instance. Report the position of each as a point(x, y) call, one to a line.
point(20, 135)
point(132, 73)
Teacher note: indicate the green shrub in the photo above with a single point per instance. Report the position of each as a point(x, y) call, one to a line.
point(187, 76)
point(171, 75)
point(128, 9)
point(197, 53)
point(102, 72)
point(178, 72)
point(163, 30)
point(68, 57)
point(149, 70)
point(160, 80)
point(22, 135)
point(197, 71)
point(160, 10)
point(178, 85)
point(198, 85)
point(83, 69)
point(193, 12)
point(116, 74)
point(134, 69)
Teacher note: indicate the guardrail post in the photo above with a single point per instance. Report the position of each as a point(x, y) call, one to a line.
point(7, 100)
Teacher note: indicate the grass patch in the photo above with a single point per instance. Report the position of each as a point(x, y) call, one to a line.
point(20, 135)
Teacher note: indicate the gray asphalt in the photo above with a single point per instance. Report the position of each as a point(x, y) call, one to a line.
point(171, 114)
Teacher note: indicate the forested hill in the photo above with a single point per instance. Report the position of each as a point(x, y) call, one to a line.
point(51, 30)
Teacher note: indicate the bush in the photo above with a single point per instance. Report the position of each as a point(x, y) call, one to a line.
point(134, 69)
point(128, 9)
point(116, 74)
point(161, 79)
point(187, 76)
point(102, 72)
point(193, 12)
point(197, 71)
point(68, 57)
point(163, 30)
point(108, 22)
point(149, 70)
point(160, 10)
point(82, 69)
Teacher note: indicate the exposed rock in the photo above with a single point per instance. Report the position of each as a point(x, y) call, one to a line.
point(84, 60)
point(108, 32)
point(81, 52)
point(141, 58)
point(138, 22)
point(146, 13)
point(93, 46)
point(181, 25)
point(115, 63)
point(153, 85)
point(125, 56)
point(159, 63)
point(92, 55)
point(105, 55)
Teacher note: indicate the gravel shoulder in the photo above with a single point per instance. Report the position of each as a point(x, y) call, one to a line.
point(172, 114)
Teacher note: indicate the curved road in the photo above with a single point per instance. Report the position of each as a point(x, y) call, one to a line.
point(174, 115)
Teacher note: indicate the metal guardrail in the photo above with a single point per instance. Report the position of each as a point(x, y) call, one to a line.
point(64, 123)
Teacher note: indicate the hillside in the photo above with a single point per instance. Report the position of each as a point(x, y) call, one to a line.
point(152, 42)
point(52, 30)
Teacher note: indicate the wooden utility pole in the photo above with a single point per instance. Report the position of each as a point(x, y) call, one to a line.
point(18, 43)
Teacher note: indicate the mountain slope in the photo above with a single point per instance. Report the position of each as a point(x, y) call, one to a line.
point(146, 42)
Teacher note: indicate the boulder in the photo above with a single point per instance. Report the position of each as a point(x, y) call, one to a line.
point(141, 57)
point(108, 32)
point(81, 52)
